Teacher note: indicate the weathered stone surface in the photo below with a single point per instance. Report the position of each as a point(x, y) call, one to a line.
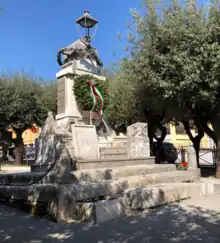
point(143, 198)
point(191, 157)
point(138, 141)
point(61, 201)
point(110, 209)
point(63, 164)
point(22, 178)
point(34, 193)
point(113, 162)
point(66, 209)
point(111, 155)
point(85, 211)
point(95, 175)
point(165, 177)
point(54, 152)
point(102, 211)
point(105, 188)
point(46, 149)
point(49, 125)
point(85, 141)
point(116, 187)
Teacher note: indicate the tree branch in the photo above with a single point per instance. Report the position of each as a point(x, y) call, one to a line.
point(163, 135)
point(209, 131)
point(188, 131)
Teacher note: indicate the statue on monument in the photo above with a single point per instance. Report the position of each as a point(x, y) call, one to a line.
point(81, 49)
point(78, 50)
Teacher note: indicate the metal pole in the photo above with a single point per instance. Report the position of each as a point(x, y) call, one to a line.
point(183, 157)
point(90, 117)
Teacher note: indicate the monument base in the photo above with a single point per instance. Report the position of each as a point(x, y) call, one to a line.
point(65, 121)
point(85, 141)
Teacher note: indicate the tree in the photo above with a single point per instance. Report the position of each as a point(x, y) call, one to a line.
point(129, 104)
point(47, 93)
point(23, 103)
point(177, 54)
point(122, 108)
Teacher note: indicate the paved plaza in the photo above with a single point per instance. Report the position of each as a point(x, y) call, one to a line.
point(193, 220)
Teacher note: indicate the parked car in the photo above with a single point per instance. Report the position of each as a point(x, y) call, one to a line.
point(167, 153)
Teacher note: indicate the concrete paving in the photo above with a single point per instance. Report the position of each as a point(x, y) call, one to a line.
point(193, 220)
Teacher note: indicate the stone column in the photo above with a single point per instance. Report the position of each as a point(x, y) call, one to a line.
point(67, 109)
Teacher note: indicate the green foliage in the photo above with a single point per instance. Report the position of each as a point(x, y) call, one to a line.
point(47, 93)
point(175, 61)
point(82, 92)
point(24, 101)
point(174, 52)
point(123, 101)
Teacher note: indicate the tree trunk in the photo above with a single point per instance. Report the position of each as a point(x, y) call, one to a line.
point(5, 151)
point(151, 139)
point(19, 147)
point(218, 158)
point(216, 130)
point(196, 145)
point(209, 131)
point(195, 140)
point(159, 143)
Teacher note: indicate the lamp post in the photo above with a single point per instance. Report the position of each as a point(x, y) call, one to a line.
point(87, 22)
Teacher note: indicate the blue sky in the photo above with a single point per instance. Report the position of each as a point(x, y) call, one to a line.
point(32, 31)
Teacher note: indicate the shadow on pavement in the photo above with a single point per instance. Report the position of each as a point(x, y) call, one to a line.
point(174, 223)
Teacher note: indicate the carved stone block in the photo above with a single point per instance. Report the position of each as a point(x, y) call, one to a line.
point(138, 141)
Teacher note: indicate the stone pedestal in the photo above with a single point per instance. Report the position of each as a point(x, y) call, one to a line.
point(67, 110)
point(191, 157)
point(85, 141)
point(138, 140)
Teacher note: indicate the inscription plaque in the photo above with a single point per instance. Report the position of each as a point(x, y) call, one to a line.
point(60, 95)
point(138, 141)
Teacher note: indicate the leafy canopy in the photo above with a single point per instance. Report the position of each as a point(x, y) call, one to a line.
point(24, 101)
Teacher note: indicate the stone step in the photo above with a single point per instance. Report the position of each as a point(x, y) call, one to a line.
point(114, 162)
point(136, 199)
point(86, 201)
point(113, 153)
point(113, 150)
point(113, 156)
point(26, 178)
point(95, 175)
point(33, 193)
point(115, 188)
point(159, 194)
point(99, 163)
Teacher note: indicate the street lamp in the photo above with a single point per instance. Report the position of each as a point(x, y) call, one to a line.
point(87, 22)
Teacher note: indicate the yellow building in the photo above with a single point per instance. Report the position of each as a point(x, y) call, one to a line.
point(179, 138)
